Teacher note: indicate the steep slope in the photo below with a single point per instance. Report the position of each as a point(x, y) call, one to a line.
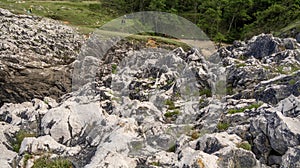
point(35, 55)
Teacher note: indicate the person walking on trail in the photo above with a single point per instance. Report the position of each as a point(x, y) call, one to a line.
point(29, 11)
point(123, 20)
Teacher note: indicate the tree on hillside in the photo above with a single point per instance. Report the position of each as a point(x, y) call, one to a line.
point(157, 5)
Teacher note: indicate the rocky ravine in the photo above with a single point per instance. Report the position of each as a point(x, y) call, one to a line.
point(35, 54)
point(154, 108)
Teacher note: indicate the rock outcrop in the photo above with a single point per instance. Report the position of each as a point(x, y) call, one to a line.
point(151, 107)
point(35, 56)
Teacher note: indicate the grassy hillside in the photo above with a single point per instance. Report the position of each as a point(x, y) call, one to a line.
point(86, 15)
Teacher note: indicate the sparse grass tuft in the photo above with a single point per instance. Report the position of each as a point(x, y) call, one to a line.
point(46, 162)
point(169, 114)
point(240, 65)
point(19, 138)
point(27, 156)
point(222, 126)
point(170, 104)
point(244, 145)
point(155, 164)
point(114, 68)
point(254, 105)
point(206, 92)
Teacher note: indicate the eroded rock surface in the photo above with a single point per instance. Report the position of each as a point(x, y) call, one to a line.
point(35, 54)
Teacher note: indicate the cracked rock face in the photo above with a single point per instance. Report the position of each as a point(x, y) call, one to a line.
point(35, 54)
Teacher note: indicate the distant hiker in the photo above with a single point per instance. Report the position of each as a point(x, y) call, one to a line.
point(124, 19)
point(29, 11)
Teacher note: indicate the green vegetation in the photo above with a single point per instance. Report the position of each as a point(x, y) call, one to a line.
point(173, 111)
point(170, 114)
point(224, 20)
point(206, 92)
point(27, 156)
point(222, 126)
point(46, 162)
point(244, 145)
point(155, 164)
point(292, 81)
point(114, 68)
point(86, 15)
point(241, 65)
point(221, 20)
point(46, 102)
point(19, 138)
point(195, 135)
point(295, 68)
point(170, 104)
point(229, 90)
point(172, 148)
point(203, 103)
point(240, 110)
point(280, 70)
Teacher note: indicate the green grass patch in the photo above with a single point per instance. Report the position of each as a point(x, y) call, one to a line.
point(206, 92)
point(292, 82)
point(155, 164)
point(46, 162)
point(240, 65)
point(85, 14)
point(280, 70)
point(169, 114)
point(19, 138)
point(27, 156)
point(240, 110)
point(295, 68)
point(222, 126)
point(170, 104)
point(244, 145)
point(114, 68)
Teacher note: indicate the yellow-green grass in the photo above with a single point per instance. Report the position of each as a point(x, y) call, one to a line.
point(87, 15)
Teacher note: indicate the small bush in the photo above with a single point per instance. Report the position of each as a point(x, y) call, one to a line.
point(46, 162)
point(19, 138)
point(244, 145)
point(222, 126)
